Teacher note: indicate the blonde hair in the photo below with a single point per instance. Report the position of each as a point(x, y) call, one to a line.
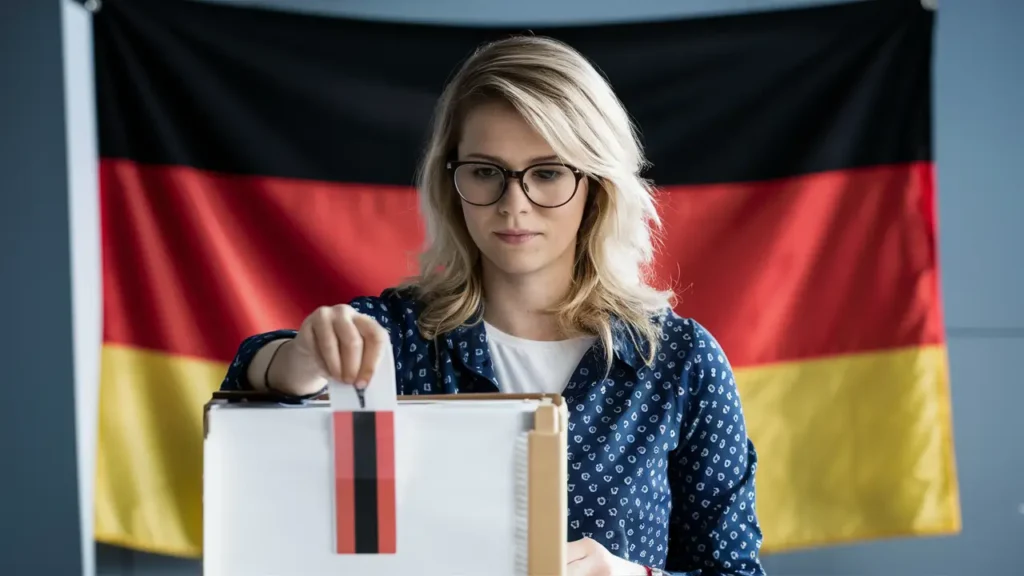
point(562, 96)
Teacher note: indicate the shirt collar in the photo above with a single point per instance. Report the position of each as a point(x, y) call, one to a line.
point(468, 344)
point(627, 344)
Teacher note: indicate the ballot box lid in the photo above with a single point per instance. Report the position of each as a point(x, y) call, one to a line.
point(256, 399)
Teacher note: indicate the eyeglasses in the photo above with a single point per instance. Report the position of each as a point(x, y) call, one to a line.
point(548, 185)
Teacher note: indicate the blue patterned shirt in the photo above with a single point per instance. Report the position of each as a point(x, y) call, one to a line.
point(661, 471)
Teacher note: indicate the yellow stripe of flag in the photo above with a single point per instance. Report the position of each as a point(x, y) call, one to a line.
point(851, 441)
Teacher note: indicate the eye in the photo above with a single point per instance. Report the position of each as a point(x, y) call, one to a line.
point(485, 172)
point(545, 174)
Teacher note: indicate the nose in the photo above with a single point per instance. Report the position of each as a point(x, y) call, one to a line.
point(514, 201)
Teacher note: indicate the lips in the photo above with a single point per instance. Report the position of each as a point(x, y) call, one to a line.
point(516, 236)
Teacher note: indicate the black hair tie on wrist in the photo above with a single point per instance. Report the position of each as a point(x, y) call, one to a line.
point(266, 372)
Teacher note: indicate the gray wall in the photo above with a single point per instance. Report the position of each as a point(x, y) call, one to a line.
point(47, 413)
point(979, 138)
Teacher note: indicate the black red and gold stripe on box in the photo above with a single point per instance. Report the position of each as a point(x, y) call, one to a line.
point(364, 480)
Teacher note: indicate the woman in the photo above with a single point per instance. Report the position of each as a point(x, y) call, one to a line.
point(540, 235)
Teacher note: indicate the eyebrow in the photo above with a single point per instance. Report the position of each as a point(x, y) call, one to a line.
point(496, 160)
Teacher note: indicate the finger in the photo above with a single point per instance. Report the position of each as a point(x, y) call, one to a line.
point(326, 342)
point(350, 344)
point(374, 339)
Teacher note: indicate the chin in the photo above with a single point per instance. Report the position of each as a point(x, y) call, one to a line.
point(517, 264)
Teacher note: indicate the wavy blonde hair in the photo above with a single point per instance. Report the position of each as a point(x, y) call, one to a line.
point(570, 104)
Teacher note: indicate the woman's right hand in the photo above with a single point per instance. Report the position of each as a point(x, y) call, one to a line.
point(334, 342)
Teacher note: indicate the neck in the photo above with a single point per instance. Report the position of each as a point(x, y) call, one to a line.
point(518, 304)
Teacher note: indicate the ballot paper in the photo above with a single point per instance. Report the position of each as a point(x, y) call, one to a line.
point(478, 484)
point(379, 395)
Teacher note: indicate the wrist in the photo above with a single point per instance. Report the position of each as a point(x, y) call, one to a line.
point(291, 373)
point(272, 373)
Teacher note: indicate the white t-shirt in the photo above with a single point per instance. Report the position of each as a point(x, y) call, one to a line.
point(534, 366)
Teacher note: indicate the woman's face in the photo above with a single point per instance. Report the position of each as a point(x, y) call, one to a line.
point(515, 235)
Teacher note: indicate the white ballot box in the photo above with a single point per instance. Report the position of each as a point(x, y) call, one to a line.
point(464, 485)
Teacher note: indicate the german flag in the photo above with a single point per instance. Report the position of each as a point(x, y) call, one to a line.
point(258, 164)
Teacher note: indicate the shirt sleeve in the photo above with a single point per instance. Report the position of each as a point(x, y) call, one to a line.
point(713, 529)
point(386, 309)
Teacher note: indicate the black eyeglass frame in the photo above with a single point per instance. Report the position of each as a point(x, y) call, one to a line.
point(507, 175)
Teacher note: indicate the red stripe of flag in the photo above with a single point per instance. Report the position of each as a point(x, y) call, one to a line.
point(817, 265)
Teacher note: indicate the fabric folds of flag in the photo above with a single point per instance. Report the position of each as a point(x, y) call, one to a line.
point(258, 164)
